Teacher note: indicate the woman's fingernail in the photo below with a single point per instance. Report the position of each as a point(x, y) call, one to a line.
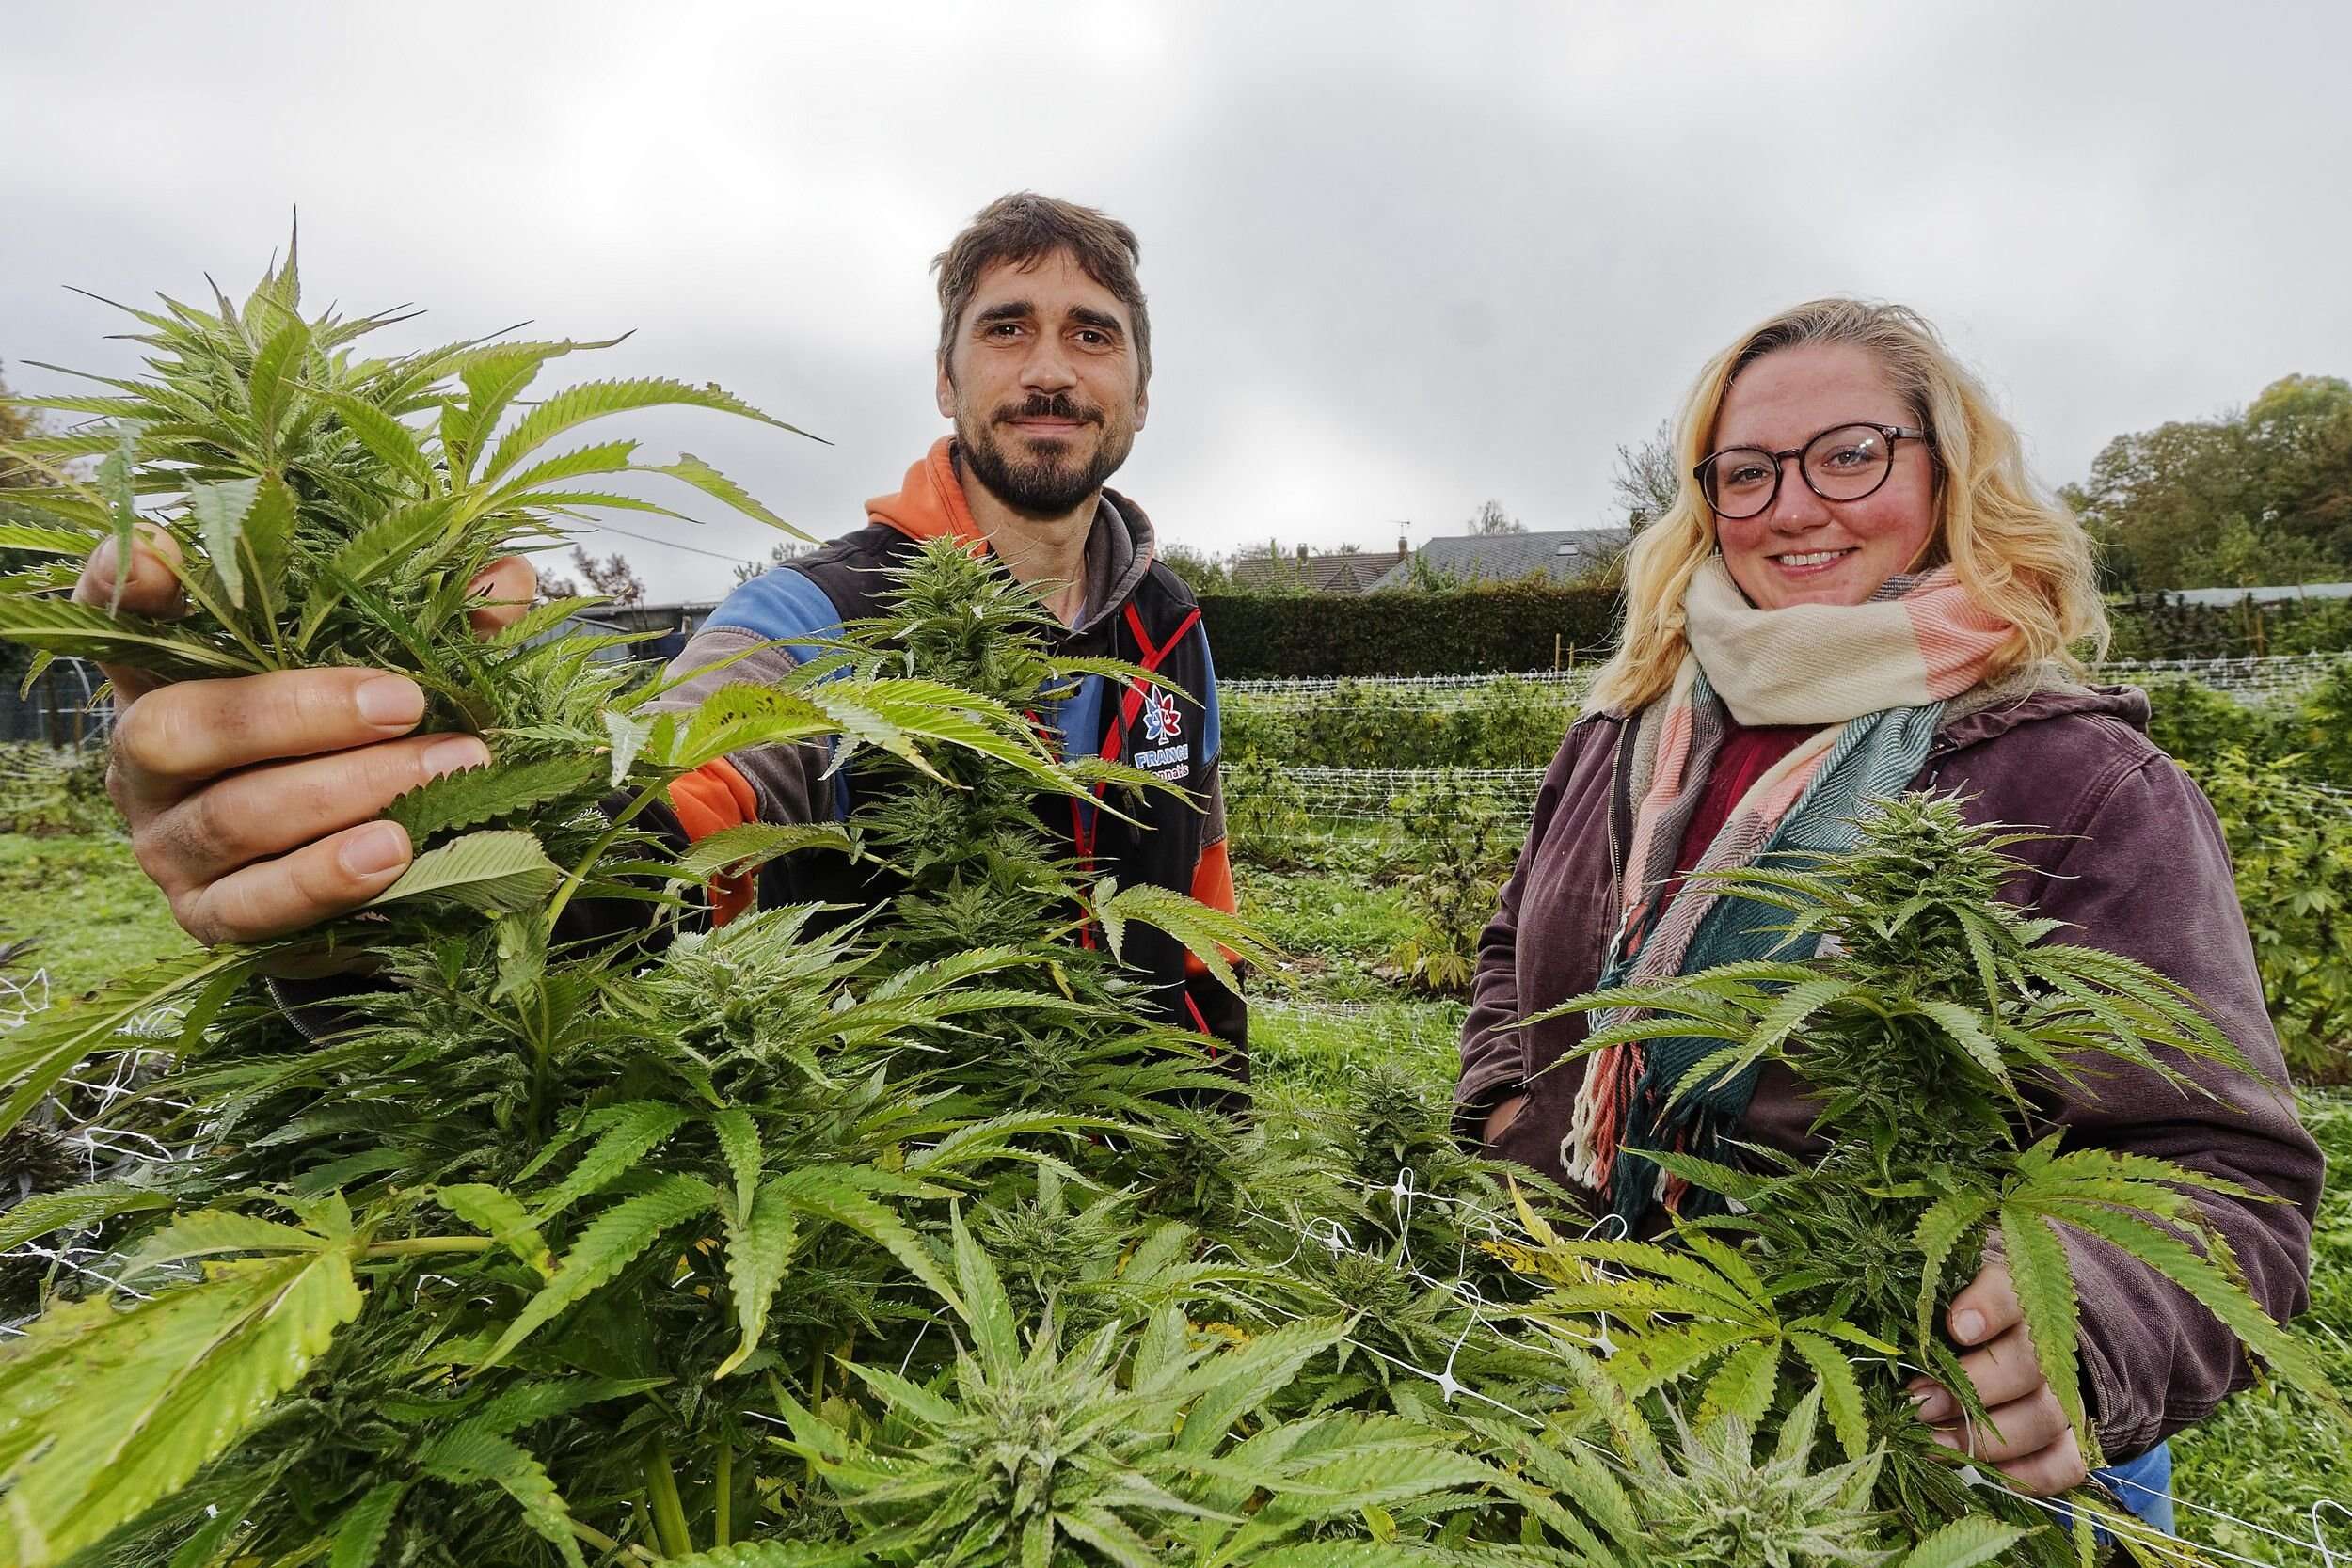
point(1968, 1326)
point(457, 752)
point(389, 700)
point(373, 849)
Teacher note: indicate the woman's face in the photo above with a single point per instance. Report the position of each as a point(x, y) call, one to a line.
point(1803, 549)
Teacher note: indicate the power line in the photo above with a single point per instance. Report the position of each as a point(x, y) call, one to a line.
point(669, 544)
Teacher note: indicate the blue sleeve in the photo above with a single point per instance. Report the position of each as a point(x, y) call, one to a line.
point(784, 604)
point(1212, 728)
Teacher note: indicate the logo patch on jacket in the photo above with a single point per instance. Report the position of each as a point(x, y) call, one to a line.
point(1170, 758)
point(1162, 724)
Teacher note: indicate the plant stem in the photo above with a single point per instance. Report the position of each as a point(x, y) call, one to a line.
point(579, 874)
point(669, 1511)
point(411, 1245)
point(604, 1542)
point(723, 1529)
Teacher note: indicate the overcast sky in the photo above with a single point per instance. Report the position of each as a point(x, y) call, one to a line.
point(1400, 259)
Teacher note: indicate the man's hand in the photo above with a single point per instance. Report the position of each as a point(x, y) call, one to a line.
point(252, 802)
point(2037, 1448)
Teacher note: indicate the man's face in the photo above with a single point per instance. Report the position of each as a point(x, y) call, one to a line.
point(1043, 384)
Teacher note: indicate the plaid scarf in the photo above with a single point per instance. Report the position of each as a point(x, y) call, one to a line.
point(1875, 678)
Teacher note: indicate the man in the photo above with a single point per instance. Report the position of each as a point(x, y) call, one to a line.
point(254, 802)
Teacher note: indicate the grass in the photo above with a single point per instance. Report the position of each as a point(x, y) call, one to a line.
point(84, 900)
point(2267, 1457)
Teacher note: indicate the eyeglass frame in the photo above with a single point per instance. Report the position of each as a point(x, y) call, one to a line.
point(1893, 433)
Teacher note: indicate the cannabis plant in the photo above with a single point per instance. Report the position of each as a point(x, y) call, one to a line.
point(1933, 1033)
point(581, 1227)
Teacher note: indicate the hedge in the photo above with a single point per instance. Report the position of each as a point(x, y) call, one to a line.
point(1455, 631)
point(1521, 625)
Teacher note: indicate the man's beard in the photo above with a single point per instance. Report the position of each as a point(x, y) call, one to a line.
point(1051, 485)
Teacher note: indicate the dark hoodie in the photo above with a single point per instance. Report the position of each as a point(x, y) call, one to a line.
point(2139, 867)
point(1135, 610)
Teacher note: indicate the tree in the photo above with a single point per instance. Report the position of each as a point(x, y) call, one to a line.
point(1196, 569)
point(778, 554)
point(1648, 478)
point(2241, 558)
point(1491, 518)
point(2160, 502)
point(16, 424)
point(613, 577)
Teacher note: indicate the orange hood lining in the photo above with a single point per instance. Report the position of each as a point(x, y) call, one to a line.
point(929, 504)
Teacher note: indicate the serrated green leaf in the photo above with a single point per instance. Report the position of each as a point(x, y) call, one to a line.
point(47, 540)
point(751, 844)
point(89, 631)
point(1963, 1544)
point(105, 1412)
point(759, 1245)
point(625, 1135)
point(361, 1533)
point(2044, 1283)
point(593, 400)
point(389, 440)
point(479, 1456)
point(1743, 1384)
point(1841, 1391)
point(476, 794)
point(1215, 937)
point(702, 477)
point(499, 1216)
point(74, 1207)
point(834, 1193)
point(46, 1047)
point(219, 511)
point(495, 872)
point(609, 1244)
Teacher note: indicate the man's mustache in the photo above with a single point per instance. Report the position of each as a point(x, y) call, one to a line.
point(1059, 406)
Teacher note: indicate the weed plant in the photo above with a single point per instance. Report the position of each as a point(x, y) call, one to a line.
point(919, 1236)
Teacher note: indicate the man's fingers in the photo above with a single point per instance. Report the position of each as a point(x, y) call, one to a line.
point(1987, 1307)
point(2004, 1369)
point(2018, 1429)
point(180, 735)
point(316, 882)
point(152, 590)
point(261, 812)
point(506, 587)
point(2055, 1469)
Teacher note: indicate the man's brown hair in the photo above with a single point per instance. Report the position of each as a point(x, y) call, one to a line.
point(1024, 228)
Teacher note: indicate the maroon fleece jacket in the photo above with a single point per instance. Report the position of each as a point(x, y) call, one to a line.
point(2138, 866)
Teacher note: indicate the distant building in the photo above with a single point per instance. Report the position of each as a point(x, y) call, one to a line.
point(1560, 555)
point(2225, 596)
point(1335, 572)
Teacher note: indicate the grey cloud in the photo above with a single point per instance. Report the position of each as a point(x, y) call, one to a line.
point(1401, 258)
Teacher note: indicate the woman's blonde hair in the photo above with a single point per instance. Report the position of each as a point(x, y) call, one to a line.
point(2022, 555)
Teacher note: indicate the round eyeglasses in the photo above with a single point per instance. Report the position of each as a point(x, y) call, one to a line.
point(1842, 463)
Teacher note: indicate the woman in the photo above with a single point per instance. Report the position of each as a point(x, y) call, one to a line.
point(1859, 552)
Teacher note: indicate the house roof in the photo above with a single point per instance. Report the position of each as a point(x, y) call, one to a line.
point(1559, 554)
point(1353, 572)
point(2261, 595)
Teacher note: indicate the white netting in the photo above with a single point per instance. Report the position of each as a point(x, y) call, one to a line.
point(1373, 794)
point(79, 1125)
point(2279, 677)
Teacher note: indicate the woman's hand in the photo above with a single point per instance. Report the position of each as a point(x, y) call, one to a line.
point(253, 801)
point(2037, 1449)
